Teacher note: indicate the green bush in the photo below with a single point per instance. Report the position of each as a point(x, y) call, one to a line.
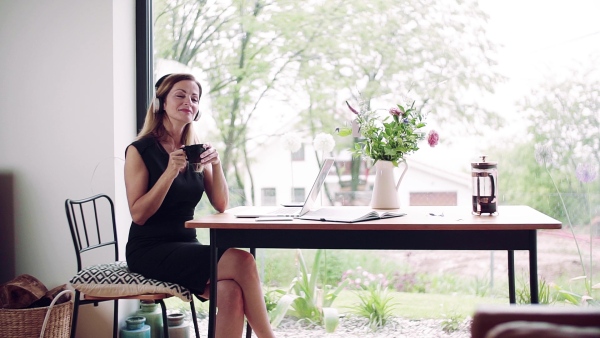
point(545, 293)
point(375, 301)
point(451, 322)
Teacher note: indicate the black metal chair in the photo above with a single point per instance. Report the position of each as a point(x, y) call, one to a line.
point(93, 229)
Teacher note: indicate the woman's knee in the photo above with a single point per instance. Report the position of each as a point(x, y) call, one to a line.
point(239, 259)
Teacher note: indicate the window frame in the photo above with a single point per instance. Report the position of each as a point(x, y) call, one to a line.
point(143, 60)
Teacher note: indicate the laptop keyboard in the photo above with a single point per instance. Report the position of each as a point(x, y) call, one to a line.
point(285, 211)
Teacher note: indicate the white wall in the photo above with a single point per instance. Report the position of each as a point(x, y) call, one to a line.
point(67, 108)
point(426, 177)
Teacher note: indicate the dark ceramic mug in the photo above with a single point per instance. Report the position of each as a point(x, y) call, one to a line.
point(192, 152)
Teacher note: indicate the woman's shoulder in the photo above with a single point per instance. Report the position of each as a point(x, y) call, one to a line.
point(144, 143)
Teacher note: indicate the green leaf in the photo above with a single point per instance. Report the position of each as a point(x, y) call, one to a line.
point(281, 309)
point(345, 132)
point(331, 296)
point(315, 273)
point(303, 284)
point(303, 309)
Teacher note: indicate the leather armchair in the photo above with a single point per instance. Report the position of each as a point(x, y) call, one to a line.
point(530, 321)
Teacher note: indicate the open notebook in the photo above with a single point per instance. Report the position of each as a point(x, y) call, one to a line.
point(291, 211)
point(349, 214)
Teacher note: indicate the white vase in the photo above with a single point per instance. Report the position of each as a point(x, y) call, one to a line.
point(385, 190)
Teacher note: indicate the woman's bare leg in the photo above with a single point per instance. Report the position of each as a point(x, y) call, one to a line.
point(230, 317)
point(240, 267)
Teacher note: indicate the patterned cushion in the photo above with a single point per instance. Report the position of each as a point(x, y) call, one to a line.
point(115, 279)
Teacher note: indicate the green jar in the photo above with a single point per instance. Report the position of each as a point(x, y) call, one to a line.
point(153, 314)
point(136, 328)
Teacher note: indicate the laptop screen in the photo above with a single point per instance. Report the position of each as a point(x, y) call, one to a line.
point(317, 185)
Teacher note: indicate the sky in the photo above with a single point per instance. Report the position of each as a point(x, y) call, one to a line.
point(538, 37)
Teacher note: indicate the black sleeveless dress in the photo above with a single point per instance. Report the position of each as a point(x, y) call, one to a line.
point(163, 248)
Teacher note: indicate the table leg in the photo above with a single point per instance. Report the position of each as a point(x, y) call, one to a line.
point(212, 308)
point(248, 327)
point(533, 278)
point(511, 277)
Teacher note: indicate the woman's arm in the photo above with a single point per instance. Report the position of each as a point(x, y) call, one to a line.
point(215, 183)
point(143, 203)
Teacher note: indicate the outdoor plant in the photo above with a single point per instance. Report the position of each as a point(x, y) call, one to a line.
point(480, 286)
point(388, 138)
point(451, 322)
point(324, 143)
point(545, 293)
point(407, 282)
point(573, 297)
point(375, 301)
point(272, 298)
point(306, 300)
point(586, 173)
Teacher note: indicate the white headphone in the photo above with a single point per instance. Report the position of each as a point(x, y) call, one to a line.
point(157, 104)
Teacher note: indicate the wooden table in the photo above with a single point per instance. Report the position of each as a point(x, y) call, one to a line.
point(514, 228)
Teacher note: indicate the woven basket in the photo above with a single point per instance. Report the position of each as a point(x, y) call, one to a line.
point(27, 323)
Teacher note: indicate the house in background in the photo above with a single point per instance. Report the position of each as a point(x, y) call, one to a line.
point(284, 177)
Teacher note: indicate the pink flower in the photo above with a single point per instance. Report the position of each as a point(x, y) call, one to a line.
point(395, 111)
point(433, 138)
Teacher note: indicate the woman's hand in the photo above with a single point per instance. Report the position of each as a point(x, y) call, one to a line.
point(177, 162)
point(215, 184)
point(210, 155)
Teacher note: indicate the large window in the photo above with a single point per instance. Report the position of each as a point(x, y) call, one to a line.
point(268, 196)
point(298, 155)
point(496, 78)
point(298, 195)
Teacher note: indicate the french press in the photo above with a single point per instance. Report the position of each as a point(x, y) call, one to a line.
point(485, 187)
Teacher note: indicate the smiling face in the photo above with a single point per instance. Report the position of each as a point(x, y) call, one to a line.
point(181, 104)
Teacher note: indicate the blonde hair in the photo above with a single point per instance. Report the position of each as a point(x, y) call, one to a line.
point(153, 124)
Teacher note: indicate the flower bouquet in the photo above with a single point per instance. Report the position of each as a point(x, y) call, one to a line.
point(387, 141)
point(390, 138)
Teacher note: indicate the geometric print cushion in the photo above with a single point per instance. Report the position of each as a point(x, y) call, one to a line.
point(115, 279)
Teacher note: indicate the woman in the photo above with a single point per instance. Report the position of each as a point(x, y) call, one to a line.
point(163, 190)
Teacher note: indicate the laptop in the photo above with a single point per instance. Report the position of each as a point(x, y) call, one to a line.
point(290, 211)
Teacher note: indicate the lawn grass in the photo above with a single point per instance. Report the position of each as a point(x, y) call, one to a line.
point(423, 305)
point(406, 305)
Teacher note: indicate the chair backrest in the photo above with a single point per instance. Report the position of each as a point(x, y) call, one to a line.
point(92, 224)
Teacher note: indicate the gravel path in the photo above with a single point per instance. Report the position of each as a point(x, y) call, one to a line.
point(351, 327)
